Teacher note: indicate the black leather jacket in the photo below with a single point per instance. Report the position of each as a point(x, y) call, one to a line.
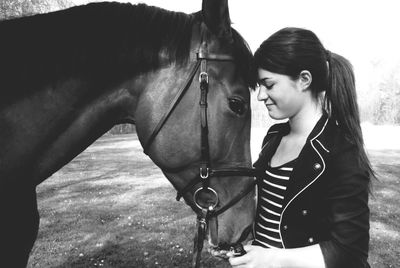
point(327, 196)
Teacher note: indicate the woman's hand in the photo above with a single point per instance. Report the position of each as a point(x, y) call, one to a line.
point(256, 257)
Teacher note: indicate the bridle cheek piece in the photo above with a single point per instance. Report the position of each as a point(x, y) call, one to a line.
point(206, 172)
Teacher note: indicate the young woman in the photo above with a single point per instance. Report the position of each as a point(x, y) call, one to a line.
point(312, 206)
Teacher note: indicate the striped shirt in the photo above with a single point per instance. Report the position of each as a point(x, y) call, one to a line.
point(271, 201)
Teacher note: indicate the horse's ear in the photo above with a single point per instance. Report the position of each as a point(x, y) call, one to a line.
point(216, 17)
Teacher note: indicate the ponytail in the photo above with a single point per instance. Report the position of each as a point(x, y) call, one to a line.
point(341, 97)
point(341, 103)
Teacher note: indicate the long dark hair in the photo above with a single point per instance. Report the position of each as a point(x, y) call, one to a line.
point(292, 50)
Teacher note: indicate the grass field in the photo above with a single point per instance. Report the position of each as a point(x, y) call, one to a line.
point(112, 207)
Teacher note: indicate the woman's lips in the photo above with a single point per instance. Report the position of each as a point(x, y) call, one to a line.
point(269, 104)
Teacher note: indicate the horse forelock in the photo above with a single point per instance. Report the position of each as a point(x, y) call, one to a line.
point(244, 59)
point(104, 42)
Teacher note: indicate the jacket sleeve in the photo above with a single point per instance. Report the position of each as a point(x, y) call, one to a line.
point(348, 212)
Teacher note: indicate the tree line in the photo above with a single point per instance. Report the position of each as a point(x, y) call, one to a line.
point(18, 8)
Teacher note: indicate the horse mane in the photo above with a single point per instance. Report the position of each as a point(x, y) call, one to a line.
point(105, 41)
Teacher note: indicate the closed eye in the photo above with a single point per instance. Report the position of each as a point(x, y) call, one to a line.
point(238, 106)
point(263, 82)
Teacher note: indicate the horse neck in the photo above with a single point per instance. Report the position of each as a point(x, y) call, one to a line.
point(109, 51)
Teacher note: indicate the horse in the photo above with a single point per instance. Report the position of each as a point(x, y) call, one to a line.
point(183, 80)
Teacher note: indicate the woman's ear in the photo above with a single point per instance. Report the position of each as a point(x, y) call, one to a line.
point(305, 79)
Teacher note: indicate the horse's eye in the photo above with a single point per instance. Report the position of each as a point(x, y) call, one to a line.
point(238, 106)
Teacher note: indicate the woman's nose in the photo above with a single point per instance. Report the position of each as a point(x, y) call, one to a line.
point(262, 94)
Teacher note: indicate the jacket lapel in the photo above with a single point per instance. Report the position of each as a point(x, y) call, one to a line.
point(310, 164)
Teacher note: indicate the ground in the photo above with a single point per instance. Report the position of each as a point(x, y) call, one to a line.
point(112, 207)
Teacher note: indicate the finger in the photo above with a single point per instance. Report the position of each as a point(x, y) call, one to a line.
point(242, 260)
point(250, 242)
point(248, 247)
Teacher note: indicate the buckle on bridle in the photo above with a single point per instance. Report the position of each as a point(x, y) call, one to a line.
point(204, 173)
point(203, 77)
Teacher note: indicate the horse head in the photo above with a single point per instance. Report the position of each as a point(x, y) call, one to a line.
point(193, 118)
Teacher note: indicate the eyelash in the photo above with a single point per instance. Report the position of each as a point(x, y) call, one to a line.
point(265, 85)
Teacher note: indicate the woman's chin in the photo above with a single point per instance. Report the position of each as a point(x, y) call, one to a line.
point(276, 116)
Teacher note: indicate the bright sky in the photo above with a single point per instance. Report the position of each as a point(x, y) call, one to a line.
point(362, 31)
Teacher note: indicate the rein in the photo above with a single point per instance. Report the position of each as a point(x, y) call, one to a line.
point(205, 214)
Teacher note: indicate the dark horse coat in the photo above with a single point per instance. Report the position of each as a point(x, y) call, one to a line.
point(67, 77)
point(327, 195)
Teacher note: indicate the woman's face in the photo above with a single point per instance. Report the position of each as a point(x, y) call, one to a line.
point(282, 96)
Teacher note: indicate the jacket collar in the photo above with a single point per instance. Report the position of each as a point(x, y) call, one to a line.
point(311, 161)
point(284, 129)
point(276, 132)
point(319, 127)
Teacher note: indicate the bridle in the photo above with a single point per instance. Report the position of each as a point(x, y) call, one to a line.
point(208, 213)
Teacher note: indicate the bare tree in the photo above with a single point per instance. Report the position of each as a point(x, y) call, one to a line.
point(18, 8)
point(380, 102)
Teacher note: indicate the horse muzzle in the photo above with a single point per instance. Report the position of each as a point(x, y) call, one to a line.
point(223, 249)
